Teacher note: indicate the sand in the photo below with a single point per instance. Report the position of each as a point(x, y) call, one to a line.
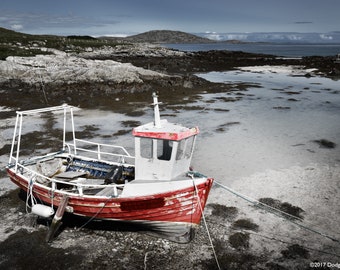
point(264, 145)
point(272, 152)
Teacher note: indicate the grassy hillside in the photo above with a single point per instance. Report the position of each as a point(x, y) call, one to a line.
point(167, 36)
point(19, 44)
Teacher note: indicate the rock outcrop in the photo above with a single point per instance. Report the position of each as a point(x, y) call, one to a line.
point(89, 78)
point(62, 68)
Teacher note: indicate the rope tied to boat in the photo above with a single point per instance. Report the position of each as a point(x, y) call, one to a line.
point(96, 214)
point(30, 195)
point(277, 212)
point(36, 208)
point(205, 222)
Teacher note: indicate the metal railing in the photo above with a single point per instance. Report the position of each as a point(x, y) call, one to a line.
point(100, 150)
point(74, 187)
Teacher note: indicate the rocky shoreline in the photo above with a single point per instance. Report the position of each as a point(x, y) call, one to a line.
point(81, 78)
point(87, 80)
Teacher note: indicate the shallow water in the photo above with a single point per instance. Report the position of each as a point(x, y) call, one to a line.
point(279, 120)
point(286, 50)
point(272, 153)
point(272, 125)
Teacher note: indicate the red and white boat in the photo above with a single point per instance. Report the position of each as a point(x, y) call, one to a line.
point(155, 188)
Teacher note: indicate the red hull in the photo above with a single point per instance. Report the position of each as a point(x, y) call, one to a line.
point(177, 206)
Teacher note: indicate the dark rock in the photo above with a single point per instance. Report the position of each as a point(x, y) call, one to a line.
point(325, 143)
point(295, 251)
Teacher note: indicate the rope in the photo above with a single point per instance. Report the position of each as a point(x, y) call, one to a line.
point(279, 240)
point(206, 225)
point(276, 212)
point(95, 215)
point(30, 195)
point(291, 243)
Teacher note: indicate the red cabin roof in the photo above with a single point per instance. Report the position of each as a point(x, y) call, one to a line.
point(166, 131)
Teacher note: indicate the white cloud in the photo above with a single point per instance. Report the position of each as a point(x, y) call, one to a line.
point(17, 26)
point(237, 36)
point(116, 35)
point(294, 37)
point(326, 37)
point(213, 36)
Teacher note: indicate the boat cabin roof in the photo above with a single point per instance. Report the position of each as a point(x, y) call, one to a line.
point(165, 131)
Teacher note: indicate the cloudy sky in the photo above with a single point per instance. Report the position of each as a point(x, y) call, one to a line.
point(113, 17)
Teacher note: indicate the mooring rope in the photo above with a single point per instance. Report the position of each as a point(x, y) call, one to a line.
point(96, 214)
point(30, 195)
point(275, 211)
point(272, 238)
point(206, 225)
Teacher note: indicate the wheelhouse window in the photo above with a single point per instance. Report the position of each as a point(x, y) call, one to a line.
point(164, 149)
point(146, 147)
point(153, 148)
point(185, 148)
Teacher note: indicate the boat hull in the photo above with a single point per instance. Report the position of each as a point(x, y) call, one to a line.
point(172, 214)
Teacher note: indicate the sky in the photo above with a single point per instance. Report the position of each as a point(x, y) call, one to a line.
point(127, 17)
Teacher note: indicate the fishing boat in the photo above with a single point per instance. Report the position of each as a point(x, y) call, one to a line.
point(154, 188)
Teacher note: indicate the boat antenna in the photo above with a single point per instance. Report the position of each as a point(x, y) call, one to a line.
point(157, 122)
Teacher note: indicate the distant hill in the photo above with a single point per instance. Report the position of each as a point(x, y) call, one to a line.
point(7, 35)
point(166, 36)
point(21, 44)
point(4, 31)
point(155, 36)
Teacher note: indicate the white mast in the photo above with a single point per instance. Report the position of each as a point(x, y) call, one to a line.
point(157, 122)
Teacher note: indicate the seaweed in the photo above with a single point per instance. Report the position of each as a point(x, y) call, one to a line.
point(223, 211)
point(281, 108)
point(221, 128)
point(121, 132)
point(131, 123)
point(246, 224)
point(323, 143)
point(293, 211)
point(295, 251)
point(239, 240)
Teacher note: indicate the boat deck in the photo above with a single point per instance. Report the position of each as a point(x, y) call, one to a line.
point(76, 175)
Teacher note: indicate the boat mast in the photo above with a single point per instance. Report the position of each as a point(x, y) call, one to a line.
point(64, 130)
point(73, 131)
point(157, 122)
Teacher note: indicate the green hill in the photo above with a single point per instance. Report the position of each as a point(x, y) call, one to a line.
point(167, 36)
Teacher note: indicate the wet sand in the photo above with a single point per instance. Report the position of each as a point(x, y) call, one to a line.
point(261, 135)
point(289, 154)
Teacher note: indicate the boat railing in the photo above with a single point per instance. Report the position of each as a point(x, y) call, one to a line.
point(73, 187)
point(100, 151)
